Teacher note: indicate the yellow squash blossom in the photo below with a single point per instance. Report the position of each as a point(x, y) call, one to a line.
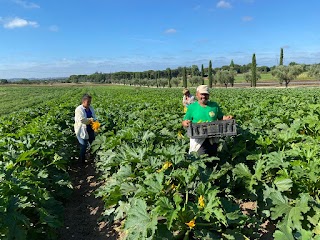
point(165, 166)
point(191, 224)
point(173, 187)
point(95, 126)
point(185, 109)
point(180, 135)
point(201, 201)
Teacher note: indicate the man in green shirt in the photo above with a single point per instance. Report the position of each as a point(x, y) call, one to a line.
point(203, 111)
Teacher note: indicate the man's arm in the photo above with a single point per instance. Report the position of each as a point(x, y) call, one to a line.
point(223, 117)
point(187, 118)
point(228, 117)
point(186, 123)
point(80, 117)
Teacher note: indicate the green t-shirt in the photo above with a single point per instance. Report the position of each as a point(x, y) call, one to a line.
point(199, 114)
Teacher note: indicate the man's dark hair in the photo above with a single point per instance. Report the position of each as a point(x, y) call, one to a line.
point(85, 97)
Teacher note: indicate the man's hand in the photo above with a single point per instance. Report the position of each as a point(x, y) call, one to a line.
point(227, 117)
point(90, 120)
point(186, 123)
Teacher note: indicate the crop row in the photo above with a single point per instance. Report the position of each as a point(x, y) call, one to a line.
point(159, 191)
point(36, 144)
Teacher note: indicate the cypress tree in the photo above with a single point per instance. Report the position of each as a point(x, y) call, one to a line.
point(169, 76)
point(156, 78)
point(185, 83)
point(232, 64)
point(254, 71)
point(210, 74)
point(202, 74)
point(281, 57)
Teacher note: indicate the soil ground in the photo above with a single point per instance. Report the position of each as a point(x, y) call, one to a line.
point(83, 211)
point(267, 228)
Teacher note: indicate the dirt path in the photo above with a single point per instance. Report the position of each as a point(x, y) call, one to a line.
point(83, 210)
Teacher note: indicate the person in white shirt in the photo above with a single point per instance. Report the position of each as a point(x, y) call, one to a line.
point(84, 116)
point(187, 99)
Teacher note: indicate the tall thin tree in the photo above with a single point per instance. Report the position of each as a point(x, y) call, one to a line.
point(202, 74)
point(232, 64)
point(169, 73)
point(281, 57)
point(210, 74)
point(156, 78)
point(185, 82)
point(254, 71)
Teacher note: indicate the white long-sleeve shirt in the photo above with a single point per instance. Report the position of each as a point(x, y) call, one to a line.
point(186, 102)
point(81, 121)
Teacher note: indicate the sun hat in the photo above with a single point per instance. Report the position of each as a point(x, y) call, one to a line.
point(204, 89)
point(186, 90)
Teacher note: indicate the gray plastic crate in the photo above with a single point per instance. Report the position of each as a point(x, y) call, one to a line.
point(220, 128)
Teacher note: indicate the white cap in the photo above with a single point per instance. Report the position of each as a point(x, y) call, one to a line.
point(204, 89)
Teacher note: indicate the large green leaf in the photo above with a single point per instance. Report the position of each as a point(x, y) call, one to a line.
point(122, 210)
point(213, 208)
point(283, 184)
point(27, 155)
point(124, 172)
point(216, 174)
point(140, 223)
point(165, 208)
point(154, 183)
point(292, 213)
point(283, 233)
point(127, 188)
point(242, 171)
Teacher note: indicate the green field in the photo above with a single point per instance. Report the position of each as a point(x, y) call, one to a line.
point(265, 77)
point(17, 98)
point(150, 183)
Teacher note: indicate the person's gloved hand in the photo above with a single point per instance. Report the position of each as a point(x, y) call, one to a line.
point(90, 120)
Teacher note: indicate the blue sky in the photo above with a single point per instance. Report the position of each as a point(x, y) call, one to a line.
point(56, 38)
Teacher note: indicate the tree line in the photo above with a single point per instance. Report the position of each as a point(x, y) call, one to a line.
point(184, 76)
point(180, 72)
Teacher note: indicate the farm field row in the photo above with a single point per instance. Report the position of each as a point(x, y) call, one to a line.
point(19, 99)
point(151, 184)
point(36, 144)
point(161, 192)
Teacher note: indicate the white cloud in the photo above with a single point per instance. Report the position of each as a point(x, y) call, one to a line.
point(26, 4)
point(170, 31)
point(247, 19)
point(54, 28)
point(224, 4)
point(18, 23)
